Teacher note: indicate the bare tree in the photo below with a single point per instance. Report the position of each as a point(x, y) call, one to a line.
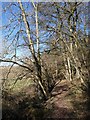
point(41, 33)
point(67, 21)
point(28, 42)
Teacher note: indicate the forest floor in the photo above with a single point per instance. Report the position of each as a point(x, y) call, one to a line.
point(63, 104)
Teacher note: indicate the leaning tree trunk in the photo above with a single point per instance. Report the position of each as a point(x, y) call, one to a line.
point(32, 50)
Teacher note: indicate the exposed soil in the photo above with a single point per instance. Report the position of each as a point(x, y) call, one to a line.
point(63, 104)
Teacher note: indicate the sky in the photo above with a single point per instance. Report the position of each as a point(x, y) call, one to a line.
point(4, 21)
point(0, 28)
point(7, 16)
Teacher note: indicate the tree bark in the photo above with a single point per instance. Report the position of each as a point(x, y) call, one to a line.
point(32, 50)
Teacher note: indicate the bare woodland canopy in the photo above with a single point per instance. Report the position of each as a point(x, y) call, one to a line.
point(49, 40)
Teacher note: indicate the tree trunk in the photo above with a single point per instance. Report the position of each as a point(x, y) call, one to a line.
point(36, 62)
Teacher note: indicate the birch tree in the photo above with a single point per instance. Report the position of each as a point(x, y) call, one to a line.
point(66, 21)
point(61, 32)
point(35, 53)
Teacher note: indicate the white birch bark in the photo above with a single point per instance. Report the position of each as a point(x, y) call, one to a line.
point(32, 50)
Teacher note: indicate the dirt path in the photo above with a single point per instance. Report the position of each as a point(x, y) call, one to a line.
point(60, 104)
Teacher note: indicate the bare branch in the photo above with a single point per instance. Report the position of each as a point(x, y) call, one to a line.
point(11, 61)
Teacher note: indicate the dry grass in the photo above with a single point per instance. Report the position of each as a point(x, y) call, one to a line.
point(67, 101)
